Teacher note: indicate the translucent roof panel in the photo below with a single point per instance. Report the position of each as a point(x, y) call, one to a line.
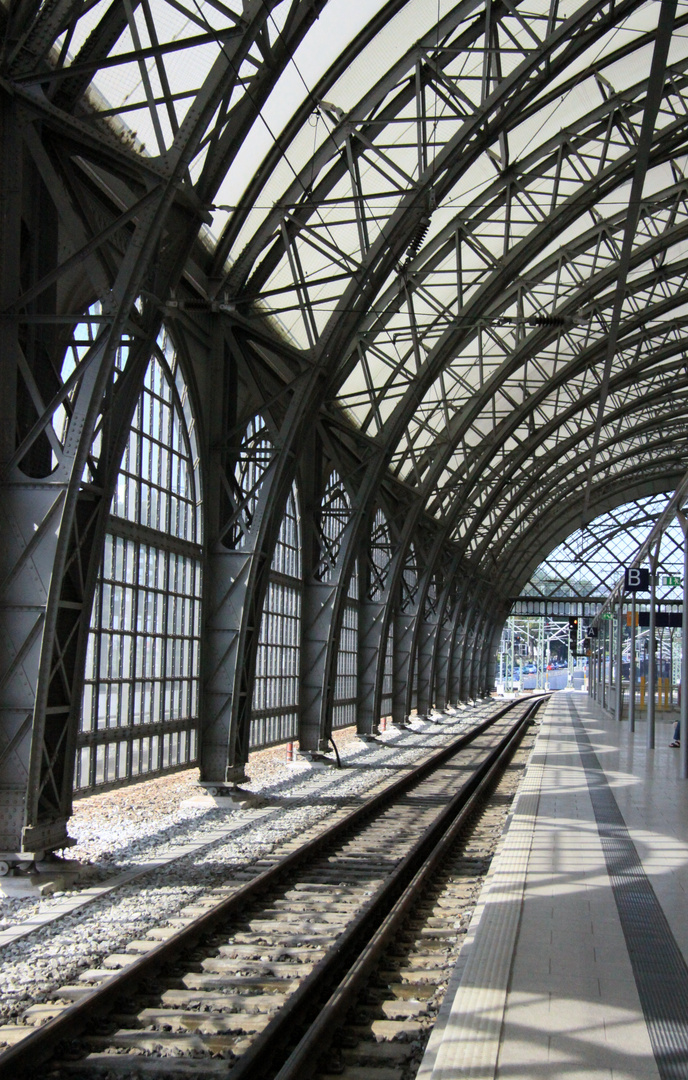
point(468, 216)
point(591, 561)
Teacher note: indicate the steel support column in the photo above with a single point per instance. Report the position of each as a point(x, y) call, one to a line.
point(317, 607)
point(426, 655)
point(445, 638)
point(373, 627)
point(404, 638)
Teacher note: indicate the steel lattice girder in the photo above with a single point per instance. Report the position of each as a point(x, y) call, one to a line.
point(615, 176)
point(52, 524)
point(121, 225)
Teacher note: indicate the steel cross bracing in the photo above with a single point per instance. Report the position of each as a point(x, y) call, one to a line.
point(414, 293)
point(87, 215)
point(562, 186)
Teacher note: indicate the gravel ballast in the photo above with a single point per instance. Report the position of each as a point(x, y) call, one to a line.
point(127, 828)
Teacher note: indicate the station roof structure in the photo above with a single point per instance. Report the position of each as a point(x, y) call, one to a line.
point(420, 269)
point(468, 218)
point(589, 564)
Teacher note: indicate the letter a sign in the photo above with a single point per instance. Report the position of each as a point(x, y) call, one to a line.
point(636, 580)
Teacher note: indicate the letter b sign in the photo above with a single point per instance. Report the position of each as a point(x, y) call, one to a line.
point(636, 580)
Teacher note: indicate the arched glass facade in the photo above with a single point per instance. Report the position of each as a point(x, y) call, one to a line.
point(346, 685)
point(141, 691)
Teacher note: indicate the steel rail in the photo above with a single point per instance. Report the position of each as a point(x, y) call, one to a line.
point(349, 963)
point(39, 1045)
point(300, 1063)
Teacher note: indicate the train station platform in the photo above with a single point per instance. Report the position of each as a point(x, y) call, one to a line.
point(574, 965)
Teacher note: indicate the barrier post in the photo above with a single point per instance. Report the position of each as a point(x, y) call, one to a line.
point(631, 670)
point(619, 661)
point(684, 652)
point(651, 657)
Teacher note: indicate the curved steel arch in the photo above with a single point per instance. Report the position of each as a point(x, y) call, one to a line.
point(410, 522)
point(585, 360)
point(496, 295)
point(537, 340)
point(613, 496)
point(473, 464)
point(680, 138)
point(527, 448)
point(569, 494)
point(481, 130)
point(119, 223)
point(52, 525)
point(492, 303)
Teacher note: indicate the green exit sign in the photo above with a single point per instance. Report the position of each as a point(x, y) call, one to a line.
point(671, 580)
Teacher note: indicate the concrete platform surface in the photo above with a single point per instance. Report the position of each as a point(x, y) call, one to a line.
point(574, 966)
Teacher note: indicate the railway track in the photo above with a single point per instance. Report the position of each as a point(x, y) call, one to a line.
point(257, 985)
point(387, 1026)
point(81, 898)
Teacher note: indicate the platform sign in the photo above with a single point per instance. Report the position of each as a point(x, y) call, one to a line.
point(636, 579)
point(662, 619)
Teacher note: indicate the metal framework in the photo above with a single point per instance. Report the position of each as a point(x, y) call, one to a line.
point(400, 269)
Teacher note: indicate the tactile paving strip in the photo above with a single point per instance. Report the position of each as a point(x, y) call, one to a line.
point(660, 970)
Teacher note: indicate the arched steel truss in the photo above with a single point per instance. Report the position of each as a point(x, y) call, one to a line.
point(433, 287)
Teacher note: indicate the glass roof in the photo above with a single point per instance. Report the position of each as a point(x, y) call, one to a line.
point(431, 199)
point(591, 561)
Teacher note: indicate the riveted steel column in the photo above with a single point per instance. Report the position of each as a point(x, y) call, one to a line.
point(372, 643)
point(476, 652)
point(445, 636)
point(317, 605)
point(404, 638)
point(465, 650)
point(455, 657)
point(454, 647)
point(426, 653)
point(489, 659)
point(25, 585)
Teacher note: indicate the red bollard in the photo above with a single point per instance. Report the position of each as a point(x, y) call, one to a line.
point(290, 751)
